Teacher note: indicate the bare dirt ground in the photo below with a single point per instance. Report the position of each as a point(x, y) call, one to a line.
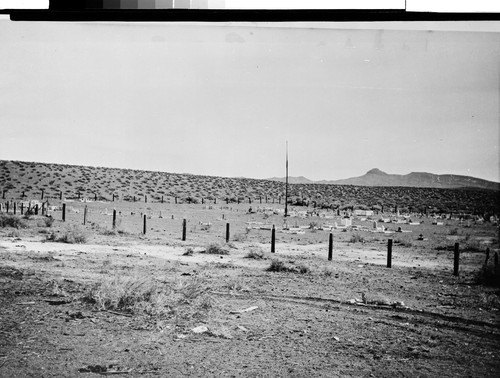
point(351, 316)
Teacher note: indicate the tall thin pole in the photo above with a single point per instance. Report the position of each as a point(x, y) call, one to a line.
point(286, 182)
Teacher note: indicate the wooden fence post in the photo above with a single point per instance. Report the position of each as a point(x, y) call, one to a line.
point(389, 253)
point(7, 207)
point(22, 208)
point(85, 215)
point(183, 230)
point(330, 247)
point(456, 260)
point(60, 195)
point(36, 209)
point(64, 212)
point(15, 210)
point(273, 240)
point(144, 225)
point(42, 193)
point(114, 218)
point(227, 232)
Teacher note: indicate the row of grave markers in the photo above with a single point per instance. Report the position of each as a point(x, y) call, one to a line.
point(456, 256)
point(135, 199)
point(203, 200)
point(34, 210)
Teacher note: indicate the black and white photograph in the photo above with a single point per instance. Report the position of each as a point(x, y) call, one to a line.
point(236, 188)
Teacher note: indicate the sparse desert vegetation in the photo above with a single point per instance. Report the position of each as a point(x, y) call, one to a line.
point(134, 298)
point(99, 183)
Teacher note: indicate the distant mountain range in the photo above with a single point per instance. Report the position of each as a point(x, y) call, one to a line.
point(376, 177)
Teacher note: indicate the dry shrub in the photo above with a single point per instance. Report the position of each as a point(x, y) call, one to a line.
point(403, 242)
point(216, 249)
point(356, 238)
point(75, 235)
point(9, 220)
point(107, 232)
point(280, 266)
point(240, 237)
point(255, 253)
point(277, 266)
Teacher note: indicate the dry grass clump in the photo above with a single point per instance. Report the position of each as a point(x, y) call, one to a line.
point(180, 299)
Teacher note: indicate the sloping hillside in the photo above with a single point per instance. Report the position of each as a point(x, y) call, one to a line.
point(28, 178)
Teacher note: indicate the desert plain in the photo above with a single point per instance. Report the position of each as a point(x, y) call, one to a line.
point(87, 300)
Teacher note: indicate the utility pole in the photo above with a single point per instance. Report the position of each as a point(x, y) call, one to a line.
point(286, 182)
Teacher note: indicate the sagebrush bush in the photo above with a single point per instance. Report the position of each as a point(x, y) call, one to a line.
point(277, 266)
point(280, 266)
point(356, 238)
point(73, 236)
point(403, 243)
point(240, 237)
point(256, 254)
point(49, 221)
point(10, 220)
point(216, 249)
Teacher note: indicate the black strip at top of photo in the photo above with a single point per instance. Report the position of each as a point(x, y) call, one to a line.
point(77, 10)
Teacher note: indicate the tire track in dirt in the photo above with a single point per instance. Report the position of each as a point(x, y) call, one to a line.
point(491, 331)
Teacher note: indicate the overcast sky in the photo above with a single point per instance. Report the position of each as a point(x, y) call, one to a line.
point(224, 99)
